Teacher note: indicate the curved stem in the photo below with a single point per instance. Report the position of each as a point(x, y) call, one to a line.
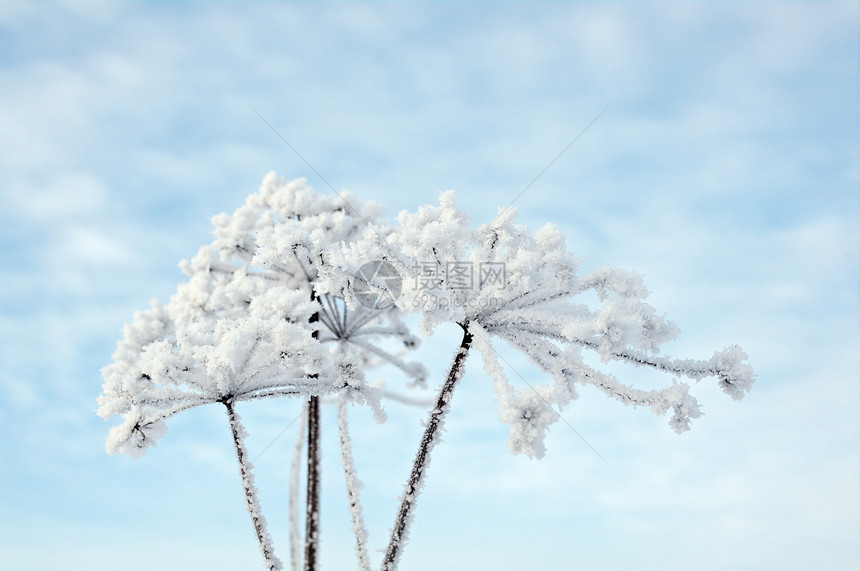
point(246, 470)
point(428, 441)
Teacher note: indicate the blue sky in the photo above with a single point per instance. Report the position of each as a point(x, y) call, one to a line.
point(725, 167)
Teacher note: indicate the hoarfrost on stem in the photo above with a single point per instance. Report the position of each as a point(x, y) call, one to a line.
point(270, 309)
point(246, 325)
point(246, 471)
point(538, 308)
point(451, 274)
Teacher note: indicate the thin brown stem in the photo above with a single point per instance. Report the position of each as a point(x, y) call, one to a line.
point(405, 514)
point(313, 501)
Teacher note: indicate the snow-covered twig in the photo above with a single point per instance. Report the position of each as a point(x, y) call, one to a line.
point(295, 470)
point(352, 486)
point(246, 470)
point(403, 399)
point(405, 514)
point(269, 310)
point(415, 371)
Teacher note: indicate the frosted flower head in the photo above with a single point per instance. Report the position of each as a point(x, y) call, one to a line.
point(226, 360)
point(499, 281)
point(251, 321)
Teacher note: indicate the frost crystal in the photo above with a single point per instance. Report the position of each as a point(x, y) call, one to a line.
point(538, 309)
point(298, 292)
point(251, 323)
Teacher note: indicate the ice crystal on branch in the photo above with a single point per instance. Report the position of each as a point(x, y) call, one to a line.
point(500, 282)
point(298, 294)
point(249, 324)
point(280, 238)
point(538, 308)
point(214, 360)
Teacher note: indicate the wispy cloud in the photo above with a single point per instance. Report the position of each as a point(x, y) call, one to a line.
point(725, 169)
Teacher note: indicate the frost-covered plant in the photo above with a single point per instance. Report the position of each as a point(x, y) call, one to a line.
point(162, 368)
point(272, 308)
point(248, 324)
point(279, 236)
point(498, 281)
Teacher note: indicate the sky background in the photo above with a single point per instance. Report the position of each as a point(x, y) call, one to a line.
point(725, 168)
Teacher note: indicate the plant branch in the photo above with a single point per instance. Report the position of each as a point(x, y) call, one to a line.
point(313, 490)
point(246, 470)
point(352, 486)
point(295, 549)
point(416, 479)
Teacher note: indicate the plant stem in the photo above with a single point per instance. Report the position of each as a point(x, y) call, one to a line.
point(352, 486)
point(313, 507)
point(428, 441)
point(295, 469)
point(246, 470)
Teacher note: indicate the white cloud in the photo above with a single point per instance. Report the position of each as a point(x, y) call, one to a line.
point(59, 196)
point(723, 169)
point(88, 247)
